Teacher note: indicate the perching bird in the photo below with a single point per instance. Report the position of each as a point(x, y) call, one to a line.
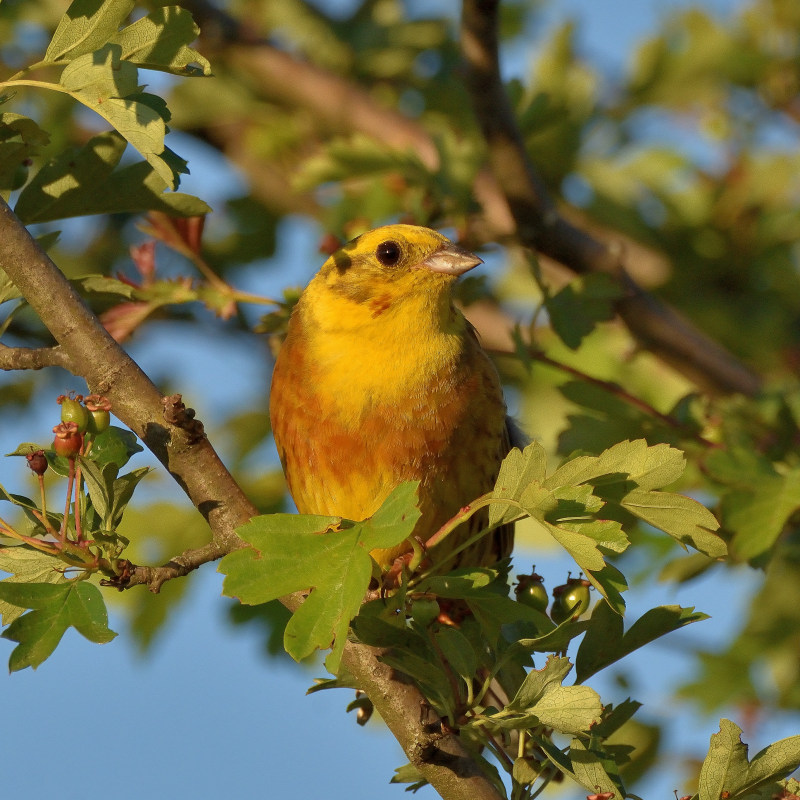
point(382, 380)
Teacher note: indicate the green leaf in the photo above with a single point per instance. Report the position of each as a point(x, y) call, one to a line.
point(520, 469)
point(100, 486)
point(328, 555)
point(576, 309)
point(86, 26)
point(20, 140)
point(461, 583)
point(543, 700)
point(683, 518)
point(634, 461)
point(457, 652)
point(86, 180)
point(538, 681)
point(109, 494)
point(589, 769)
point(758, 513)
point(109, 86)
point(568, 709)
point(55, 608)
point(161, 41)
point(606, 642)
point(726, 768)
point(27, 565)
point(555, 640)
point(115, 446)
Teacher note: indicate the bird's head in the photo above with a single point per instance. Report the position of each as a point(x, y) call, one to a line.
point(390, 269)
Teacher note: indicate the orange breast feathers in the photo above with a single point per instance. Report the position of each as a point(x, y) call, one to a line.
point(381, 380)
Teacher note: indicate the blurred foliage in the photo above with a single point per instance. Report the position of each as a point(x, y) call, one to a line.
point(688, 155)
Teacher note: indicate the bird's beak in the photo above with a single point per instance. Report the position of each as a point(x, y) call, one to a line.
point(451, 260)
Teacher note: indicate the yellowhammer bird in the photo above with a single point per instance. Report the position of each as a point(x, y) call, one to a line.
point(382, 380)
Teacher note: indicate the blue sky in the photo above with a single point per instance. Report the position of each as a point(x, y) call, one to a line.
point(205, 715)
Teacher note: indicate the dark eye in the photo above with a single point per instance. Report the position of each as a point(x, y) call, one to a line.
point(388, 253)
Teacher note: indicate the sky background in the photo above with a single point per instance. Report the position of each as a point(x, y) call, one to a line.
point(204, 714)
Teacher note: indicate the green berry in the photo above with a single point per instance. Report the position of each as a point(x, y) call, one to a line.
point(570, 600)
point(72, 410)
point(530, 591)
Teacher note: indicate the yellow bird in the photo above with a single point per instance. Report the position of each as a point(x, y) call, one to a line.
point(382, 380)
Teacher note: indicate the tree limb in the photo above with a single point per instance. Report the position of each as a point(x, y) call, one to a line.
point(33, 358)
point(539, 224)
point(193, 463)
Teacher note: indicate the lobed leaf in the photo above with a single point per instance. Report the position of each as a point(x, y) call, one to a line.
point(161, 41)
point(26, 565)
point(54, 609)
point(87, 180)
point(683, 518)
point(327, 555)
point(726, 771)
point(606, 641)
point(86, 26)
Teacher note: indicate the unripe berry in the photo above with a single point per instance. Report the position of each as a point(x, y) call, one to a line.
point(72, 410)
point(68, 441)
point(99, 418)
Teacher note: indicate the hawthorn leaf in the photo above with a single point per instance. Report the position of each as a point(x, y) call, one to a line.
point(758, 513)
point(88, 180)
point(683, 518)
point(109, 86)
point(20, 139)
point(457, 652)
point(114, 446)
point(161, 41)
point(86, 26)
point(27, 565)
point(634, 461)
point(606, 640)
point(726, 771)
point(54, 609)
point(539, 681)
point(328, 555)
point(589, 769)
point(576, 309)
point(568, 709)
point(519, 470)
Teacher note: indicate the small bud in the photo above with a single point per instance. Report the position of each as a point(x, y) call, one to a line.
point(37, 462)
point(68, 441)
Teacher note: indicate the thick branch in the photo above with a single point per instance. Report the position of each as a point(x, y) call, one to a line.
point(191, 460)
point(540, 226)
point(109, 371)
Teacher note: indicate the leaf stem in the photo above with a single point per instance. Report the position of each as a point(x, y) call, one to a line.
point(42, 516)
point(62, 534)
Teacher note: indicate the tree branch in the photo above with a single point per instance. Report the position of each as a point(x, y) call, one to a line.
point(190, 459)
point(539, 224)
point(33, 358)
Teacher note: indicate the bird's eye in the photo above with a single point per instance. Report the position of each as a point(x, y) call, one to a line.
point(388, 253)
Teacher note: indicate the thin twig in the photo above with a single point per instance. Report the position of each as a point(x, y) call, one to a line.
point(615, 389)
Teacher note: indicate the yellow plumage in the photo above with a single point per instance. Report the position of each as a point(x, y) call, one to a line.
point(382, 380)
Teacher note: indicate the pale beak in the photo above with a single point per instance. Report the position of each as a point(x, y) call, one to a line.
point(451, 260)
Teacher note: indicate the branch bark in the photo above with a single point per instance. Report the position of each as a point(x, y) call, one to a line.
point(193, 463)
